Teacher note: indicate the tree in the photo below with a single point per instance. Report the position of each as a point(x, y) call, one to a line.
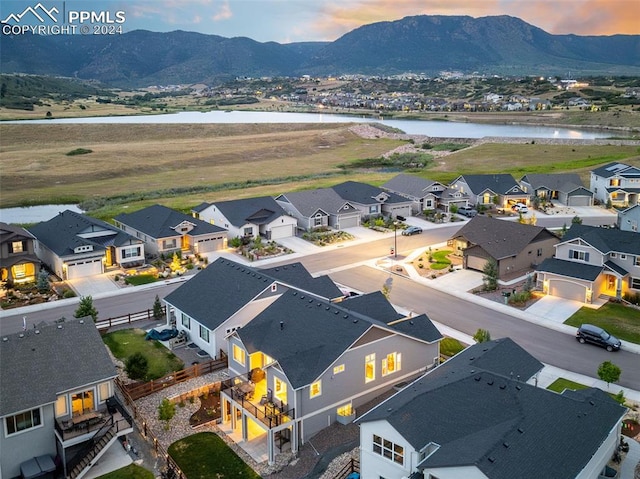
point(386, 288)
point(158, 312)
point(481, 336)
point(176, 262)
point(609, 372)
point(576, 220)
point(86, 308)
point(42, 282)
point(137, 366)
point(166, 411)
point(490, 278)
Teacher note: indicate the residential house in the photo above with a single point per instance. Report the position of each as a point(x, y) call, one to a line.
point(74, 245)
point(18, 262)
point(590, 261)
point(516, 248)
point(425, 194)
point(479, 416)
point(249, 217)
point(302, 382)
point(618, 183)
point(226, 295)
point(629, 219)
point(566, 188)
point(500, 190)
point(372, 201)
point(57, 384)
point(318, 208)
point(165, 231)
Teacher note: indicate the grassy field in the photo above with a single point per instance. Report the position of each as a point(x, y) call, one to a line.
point(621, 321)
point(132, 471)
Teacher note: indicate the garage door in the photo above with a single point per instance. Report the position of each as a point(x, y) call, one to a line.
point(579, 201)
point(567, 290)
point(474, 262)
point(81, 269)
point(210, 244)
point(284, 231)
point(348, 222)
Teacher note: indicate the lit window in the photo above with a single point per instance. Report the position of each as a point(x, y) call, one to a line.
point(61, 406)
point(204, 333)
point(238, 354)
point(316, 389)
point(388, 449)
point(346, 410)
point(338, 369)
point(24, 420)
point(391, 363)
point(82, 402)
point(369, 368)
point(17, 247)
point(104, 392)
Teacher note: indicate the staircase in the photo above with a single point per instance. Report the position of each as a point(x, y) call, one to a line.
point(98, 447)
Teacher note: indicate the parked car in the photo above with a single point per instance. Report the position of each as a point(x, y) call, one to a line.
point(588, 333)
point(412, 230)
point(520, 207)
point(467, 211)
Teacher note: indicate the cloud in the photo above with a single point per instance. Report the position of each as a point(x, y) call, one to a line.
point(224, 13)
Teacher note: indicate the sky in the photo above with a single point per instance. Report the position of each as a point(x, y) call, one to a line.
point(286, 21)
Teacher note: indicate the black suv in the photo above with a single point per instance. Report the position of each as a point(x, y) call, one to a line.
point(588, 333)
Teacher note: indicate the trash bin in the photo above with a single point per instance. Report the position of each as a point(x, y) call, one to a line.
point(112, 405)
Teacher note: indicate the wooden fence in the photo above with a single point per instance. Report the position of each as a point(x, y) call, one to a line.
point(105, 324)
point(352, 466)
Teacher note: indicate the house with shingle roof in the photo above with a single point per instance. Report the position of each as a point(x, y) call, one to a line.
point(18, 261)
point(165, 231)
point(74, 245)
point(313, 362)
point(591, 261)
point(226, 295)
point(480, 415)
point(516, 248)
point(55, 380)
point(322, 207)
point(616, 182)
point(566, 188)
point(249, 217)
point(499, 190)
point(373, 201)
point(629, 219)
point(425, 194)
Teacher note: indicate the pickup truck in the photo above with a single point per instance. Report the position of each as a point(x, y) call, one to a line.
point(467, 211)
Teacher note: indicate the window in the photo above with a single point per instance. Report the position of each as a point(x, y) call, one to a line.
point(274, 287)
point(338, 369)
point(82, 402)
point(238, 354)
point(373, 209)
point(623, 256)
point(19, 271)
point(316, 389)
point(346, 410)
point(391, 363)
point(24, 420)
point(186, 321)
point(204, 333)
point(579, 255)
point(387, 449)
point(369, 368)
point(130, 252)
point(317, 220)
point(539, 252)
point(104, 392)
point(614, 255)
point(17, 247)
point(61, 406)
point(634, 283)
point(248, 231)
point(636, 261)
point(169, 244)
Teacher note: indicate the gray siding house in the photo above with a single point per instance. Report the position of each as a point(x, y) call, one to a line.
point(629, 219)
point(500, 190)
point(290, 384)
point(616, 182)
point(318, 208)
point(424, 194)
point(372, 201)
point(566, 188)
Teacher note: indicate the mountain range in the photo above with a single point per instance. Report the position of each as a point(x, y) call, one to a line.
point(424, 44)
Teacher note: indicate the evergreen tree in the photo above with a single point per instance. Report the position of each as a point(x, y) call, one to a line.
point(42, 283)
point(490, 278)
point(158, 312)
point(86, 308)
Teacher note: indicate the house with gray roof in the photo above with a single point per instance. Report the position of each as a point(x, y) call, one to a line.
point(18, 261)
point(616, 182)
point(57, 383)
point(516, 248)
point(479, 415)
point(318, 208)
point(629, 219)
point(226, 295)
point(74, 245)
point(499, 190)
point(249, 217)
point(373, 201)
point(590, 262)
point(425, 194)
point(304, 362)
point(566, 188)
point(165, 231)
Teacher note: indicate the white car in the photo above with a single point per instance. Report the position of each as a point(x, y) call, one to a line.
point(520, 208)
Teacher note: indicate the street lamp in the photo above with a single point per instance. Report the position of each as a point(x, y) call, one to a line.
point(395, 240)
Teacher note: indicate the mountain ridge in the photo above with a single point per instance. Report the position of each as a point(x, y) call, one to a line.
point(419, 44)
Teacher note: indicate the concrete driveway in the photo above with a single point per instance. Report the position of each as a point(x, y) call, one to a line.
point(554, 308)
point(93, 285)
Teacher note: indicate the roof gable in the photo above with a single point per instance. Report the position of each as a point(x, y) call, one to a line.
point(499, 183)
point(259, 210)
point(158, 221)
point(365, 194)
point(310, 202)
point(413, 186)
point(605, 240)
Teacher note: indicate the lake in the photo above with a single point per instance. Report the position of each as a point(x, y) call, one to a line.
point(442, 129)
point(34, 214)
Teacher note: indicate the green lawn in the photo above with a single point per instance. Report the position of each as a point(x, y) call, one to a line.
point(450, 347)
point(141, 279)
point(125, 342)
point(205, 455)
point(132, 471)
point(561, 384)
point(621, 321)
point(440, 260)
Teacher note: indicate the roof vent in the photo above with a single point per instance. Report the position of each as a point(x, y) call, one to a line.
point(5, 339)
point(411, 323)
point(327, 308)
point(336, 312)
point(518, 388)
point(59, 326)
point(491, 459)
point(478, 378)
point(21, 335)
point(281, 325)
point(311, 300)
point(490, 382)
point(37, 331)
point(506, 444)
point(503, 386)
point(82, 321)
point(355, 321)
point(302, 297)
point(520, 430)
point(345, 316)
point(295, 293)
point(592, 403)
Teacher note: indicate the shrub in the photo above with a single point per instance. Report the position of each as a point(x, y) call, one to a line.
point(482, 335)
point(42, 282)
point(86, 308)
point(68, 293)
point(235, 242)
point(137, 366)
point(79, 151)
point(166, 411)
